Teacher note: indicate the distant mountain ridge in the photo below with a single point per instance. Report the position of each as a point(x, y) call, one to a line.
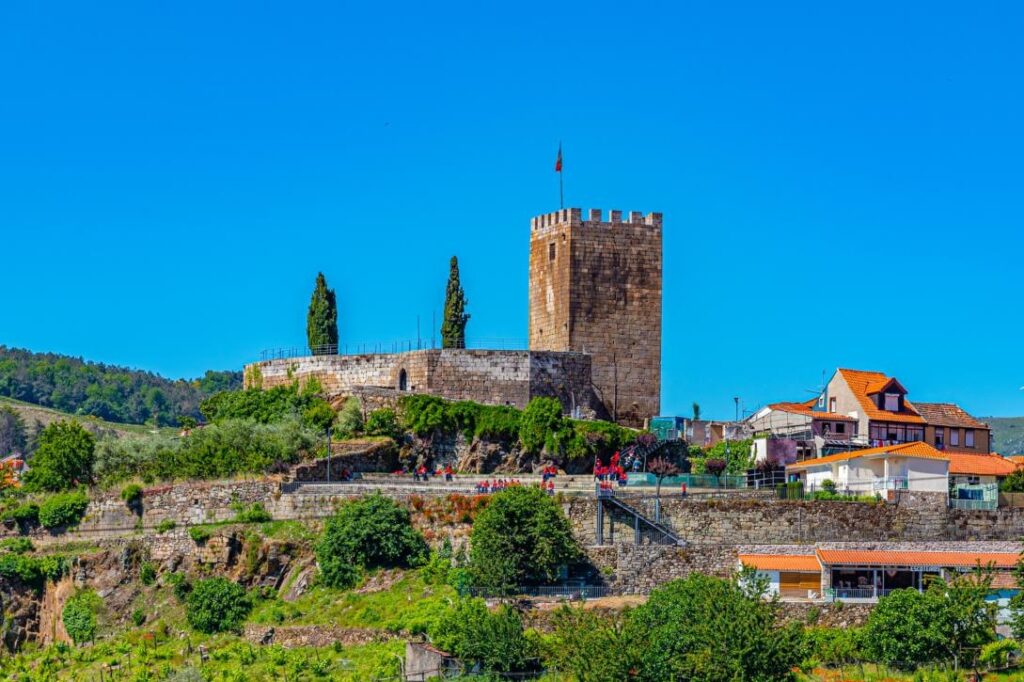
point(110, 392)
point(1007, 434)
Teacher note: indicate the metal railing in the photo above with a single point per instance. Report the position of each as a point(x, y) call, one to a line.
point(387, 347)
point(567, 592)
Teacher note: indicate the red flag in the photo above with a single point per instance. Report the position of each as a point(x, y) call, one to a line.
point(558, 160)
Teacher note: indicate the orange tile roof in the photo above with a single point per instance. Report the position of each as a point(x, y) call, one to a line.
point(798, 563)
point(948, 414)
point(974, 464)
point(915, 449)
point(803, 410)
point(863, 383)
point(857, 557)
point(1016, 459)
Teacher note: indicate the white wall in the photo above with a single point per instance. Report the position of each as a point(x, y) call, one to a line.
point(928, 474)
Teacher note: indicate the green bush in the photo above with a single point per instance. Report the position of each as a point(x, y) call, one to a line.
point(63, 458)
point(368, 533)
point(147, 573)
point(495, 641)
point(200, 534)
point(33, 571)
point(216, 605)
point(426, 415)
point(588, 645)
point(254, 513)
point(180, 585)
point(16, 545)
point(25, 514)
point(79, 616)
point(166, 525)
point(131, 494)
point(63, 509)
point(383, 422)
point(138, 618)
point(262, 406)
point(521, 537)
point(350, 418)
point(1014, 483)
point(539, 425)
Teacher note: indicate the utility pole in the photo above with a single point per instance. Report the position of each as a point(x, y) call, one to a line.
point(736, 399)
point(328, 454)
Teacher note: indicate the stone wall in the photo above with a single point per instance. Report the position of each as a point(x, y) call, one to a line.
point(595, 287)
point(486, 376)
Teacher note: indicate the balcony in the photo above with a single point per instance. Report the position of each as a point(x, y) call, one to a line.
point(890, 483)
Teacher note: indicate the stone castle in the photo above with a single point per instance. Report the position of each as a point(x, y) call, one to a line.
point(594, 336)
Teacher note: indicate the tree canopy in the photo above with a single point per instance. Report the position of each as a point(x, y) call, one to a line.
point(322, 319)
point(521, 537)
point(109, 392)
point(63, 459)
point(13, 436)
point(453, 327)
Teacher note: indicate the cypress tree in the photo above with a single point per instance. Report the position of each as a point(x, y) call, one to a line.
point(453, 328)
point(322, 318)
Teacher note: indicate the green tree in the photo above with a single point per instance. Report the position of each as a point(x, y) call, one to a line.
point(79, 615)
point(383, 422)
point(496, 641)
point(63, 459)
point(216, 605)
point(588, 646)
point(13, 436)
point(711, 629)
point(521, 537)
point(372, 532)
point(322, 319)
point(350, 418)
point(453, 327)
point(696, 411)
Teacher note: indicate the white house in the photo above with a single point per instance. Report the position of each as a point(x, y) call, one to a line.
point(905, 466)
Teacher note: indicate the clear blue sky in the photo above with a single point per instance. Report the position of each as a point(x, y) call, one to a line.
point(842, 183)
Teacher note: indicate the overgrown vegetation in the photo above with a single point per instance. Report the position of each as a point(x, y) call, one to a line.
point(540, 428)
point(494, 641)
point(275, 404)
point(216, 605)
point(113, 393)
point(63, 509)
point(79, 616)
point(63, 458)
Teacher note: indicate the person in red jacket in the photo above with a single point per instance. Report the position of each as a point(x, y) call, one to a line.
point(448, 472)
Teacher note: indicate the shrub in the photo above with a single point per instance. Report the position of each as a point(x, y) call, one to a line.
point(147, 573)
point(254, 513)
point(426, 415)
point(17, 545)
point(166, 525)
point(383, 422)
point(1014, 483)
point(131, 494)
point(828, 486)
point(368, 533)
point(715, 467)
point(521, 537)
point(63, 458)
point(200, 534)
point(541, 421)
point(180, 585)
point(79, 616)
point(350, 418)
point(216, 605)
point(319, 416)
point(63, 509)
point(588, 645)
point(24, 514)
point(262, 406)
point(138, 617)
point(495, 641)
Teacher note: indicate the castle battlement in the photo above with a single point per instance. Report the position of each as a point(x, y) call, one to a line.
point(574, 216)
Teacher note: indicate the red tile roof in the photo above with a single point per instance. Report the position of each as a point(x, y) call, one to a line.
point(797, 563)
point(974, 464)
point(857, 557)
point(862, 384)
point(948, 414)
point(915, 449)
point(804, 410)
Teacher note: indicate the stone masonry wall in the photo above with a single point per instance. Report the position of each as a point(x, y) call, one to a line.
point(486, 376)
point(596, 288)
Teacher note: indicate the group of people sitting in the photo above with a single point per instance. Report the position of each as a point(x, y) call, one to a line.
point(496, 486)
point(424, 474)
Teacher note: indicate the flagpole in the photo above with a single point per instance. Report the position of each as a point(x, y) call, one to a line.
point(561, 194)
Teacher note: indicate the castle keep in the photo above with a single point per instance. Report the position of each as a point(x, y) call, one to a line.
point(595, 288)
point(594, 332)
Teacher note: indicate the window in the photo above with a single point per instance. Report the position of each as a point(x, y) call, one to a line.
point(940, 440)
point(969, 438)
point(954, 436)
point(821, 401)
point(974, 480)
point(840, 427)
point(892, 402)
point(551, 251)
point(831, 404)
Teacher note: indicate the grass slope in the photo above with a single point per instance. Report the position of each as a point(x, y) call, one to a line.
point(44, 415)
point(1008, 434)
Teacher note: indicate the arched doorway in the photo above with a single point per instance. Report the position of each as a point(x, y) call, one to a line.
point(403, 381)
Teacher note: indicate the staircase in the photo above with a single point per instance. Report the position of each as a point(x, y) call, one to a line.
point(664, 534)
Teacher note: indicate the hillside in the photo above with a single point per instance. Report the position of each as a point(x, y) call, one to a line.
point(32, 414)
point(108, 392)
point(1008, 434)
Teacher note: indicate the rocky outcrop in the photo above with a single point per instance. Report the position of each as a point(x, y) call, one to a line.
point(293, 636)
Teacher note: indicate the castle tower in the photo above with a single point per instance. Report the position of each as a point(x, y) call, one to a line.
point(595, 287)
